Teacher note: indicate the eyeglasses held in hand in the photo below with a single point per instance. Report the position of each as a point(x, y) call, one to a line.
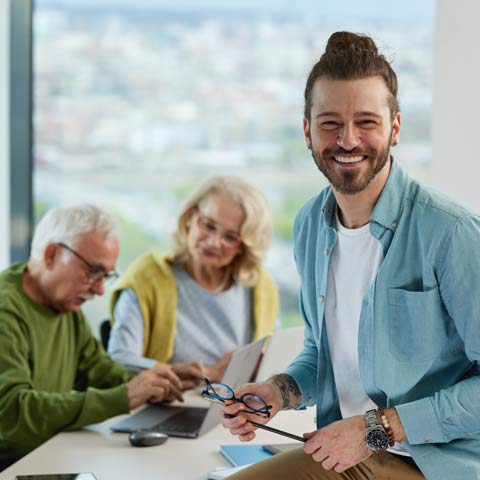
point(220, 393)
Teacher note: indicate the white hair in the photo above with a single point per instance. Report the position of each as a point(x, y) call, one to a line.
point(66, 224)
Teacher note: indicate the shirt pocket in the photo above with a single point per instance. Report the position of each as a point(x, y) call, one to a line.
point(417, 325)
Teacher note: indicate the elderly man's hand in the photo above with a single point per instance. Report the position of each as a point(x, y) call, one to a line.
point(153, 386)
point(191, 374)
point(340, 445)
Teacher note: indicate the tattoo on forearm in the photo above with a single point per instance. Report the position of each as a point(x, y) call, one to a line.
point(291, 395)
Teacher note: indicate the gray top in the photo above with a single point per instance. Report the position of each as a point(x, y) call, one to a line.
point(208, 324)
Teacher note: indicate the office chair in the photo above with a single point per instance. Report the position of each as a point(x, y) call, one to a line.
point(105, 328)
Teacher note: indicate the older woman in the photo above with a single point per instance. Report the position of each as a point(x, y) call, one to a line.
point(193, 307)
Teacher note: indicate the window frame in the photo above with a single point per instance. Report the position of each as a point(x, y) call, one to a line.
point(21, 129)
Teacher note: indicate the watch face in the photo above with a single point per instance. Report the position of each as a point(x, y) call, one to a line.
point(377, 439)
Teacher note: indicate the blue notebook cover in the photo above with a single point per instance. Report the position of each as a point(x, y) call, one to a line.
point(238, 455)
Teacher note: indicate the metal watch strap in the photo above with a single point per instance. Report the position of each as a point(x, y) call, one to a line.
point(376, 437)
point(371, 418)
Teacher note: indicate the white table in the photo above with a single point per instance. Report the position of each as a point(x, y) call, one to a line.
point(110, 457)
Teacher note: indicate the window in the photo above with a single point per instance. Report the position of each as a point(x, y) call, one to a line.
point(133, 104)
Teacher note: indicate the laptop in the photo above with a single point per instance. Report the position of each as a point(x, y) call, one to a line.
point(282, 347)
point(191, 422)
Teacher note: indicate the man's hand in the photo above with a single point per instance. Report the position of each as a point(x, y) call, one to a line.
point(190, 374)
point(215, 371)
point(239, 425)
point(153, 386)
point(340, 445)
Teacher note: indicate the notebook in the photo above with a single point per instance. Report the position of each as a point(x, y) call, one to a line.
point(244, 454)
point(190, 422)
point(282, 347)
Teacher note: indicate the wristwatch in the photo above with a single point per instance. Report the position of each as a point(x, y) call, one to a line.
point(376, 437)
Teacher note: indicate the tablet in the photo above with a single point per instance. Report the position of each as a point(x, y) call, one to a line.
point(58, 476)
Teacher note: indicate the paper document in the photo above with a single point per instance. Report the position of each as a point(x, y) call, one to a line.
point(223, 472)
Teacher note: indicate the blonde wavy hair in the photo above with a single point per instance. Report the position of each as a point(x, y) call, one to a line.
point(256, 230)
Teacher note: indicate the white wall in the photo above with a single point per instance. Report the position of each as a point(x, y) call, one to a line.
point(4, 134)
point(456, 101)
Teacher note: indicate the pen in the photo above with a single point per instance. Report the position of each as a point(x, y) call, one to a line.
point(279, 432)
point(271, 429)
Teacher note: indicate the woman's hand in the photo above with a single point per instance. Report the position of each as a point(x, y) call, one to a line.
point(190, 374)
point(215, 371)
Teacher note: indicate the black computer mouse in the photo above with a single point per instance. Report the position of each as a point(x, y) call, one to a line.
point(147, 438)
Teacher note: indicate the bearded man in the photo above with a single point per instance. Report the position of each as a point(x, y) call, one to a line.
point(387, 268)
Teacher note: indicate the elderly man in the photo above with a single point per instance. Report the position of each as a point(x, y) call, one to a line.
point(389, 271)
point(54, 375)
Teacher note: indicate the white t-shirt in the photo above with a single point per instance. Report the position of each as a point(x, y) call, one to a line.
point(355, 261)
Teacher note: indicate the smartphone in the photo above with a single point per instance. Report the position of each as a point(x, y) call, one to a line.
point(58, 476)
point(280, 447)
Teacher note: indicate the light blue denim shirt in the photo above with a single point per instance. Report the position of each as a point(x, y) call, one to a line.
point(419, 333)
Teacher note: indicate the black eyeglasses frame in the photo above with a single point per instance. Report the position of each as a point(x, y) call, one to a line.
point(263, 411)
point(206, 395)
point(96, 272)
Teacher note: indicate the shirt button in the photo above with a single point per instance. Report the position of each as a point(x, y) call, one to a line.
point(395, 224)
point(321, 298)
point(326, 251)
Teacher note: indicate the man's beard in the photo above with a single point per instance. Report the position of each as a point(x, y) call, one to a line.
point(350, 181)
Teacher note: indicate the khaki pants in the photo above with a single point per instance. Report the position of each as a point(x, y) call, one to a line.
point(296, 465)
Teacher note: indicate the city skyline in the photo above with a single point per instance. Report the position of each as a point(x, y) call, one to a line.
point(131, 111)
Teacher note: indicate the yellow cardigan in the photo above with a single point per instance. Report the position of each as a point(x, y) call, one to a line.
point(151, 278)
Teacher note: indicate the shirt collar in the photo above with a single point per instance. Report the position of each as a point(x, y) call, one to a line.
point(389, 207)
point(329, 208)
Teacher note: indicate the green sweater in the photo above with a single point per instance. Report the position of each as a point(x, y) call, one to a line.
point(54, 375)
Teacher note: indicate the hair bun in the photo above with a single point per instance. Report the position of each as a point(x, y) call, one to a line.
point(342, 41)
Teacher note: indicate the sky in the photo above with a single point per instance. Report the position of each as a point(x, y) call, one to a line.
point(418, 9)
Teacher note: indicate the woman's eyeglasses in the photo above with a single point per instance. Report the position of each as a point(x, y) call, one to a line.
point(228, 238)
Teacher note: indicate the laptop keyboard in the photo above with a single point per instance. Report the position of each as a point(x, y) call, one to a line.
point(188, 420)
